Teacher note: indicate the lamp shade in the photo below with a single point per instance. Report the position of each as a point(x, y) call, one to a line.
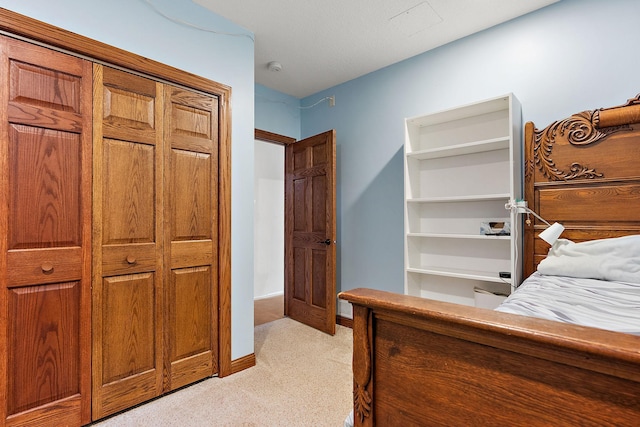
point(551, 234)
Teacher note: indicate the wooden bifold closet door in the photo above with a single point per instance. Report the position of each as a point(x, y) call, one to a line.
point(45, 236)
point(155, 239)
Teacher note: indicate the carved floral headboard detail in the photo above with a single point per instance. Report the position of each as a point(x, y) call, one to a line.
point(583, 172)
point(580, 129)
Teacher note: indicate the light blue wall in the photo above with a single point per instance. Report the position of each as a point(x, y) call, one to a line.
point(133, 26)
point(277, 112)
point(571, 56)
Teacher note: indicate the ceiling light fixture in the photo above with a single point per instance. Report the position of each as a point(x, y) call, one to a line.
point(274, 66)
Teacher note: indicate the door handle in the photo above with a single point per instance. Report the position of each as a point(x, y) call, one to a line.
point(326, 242)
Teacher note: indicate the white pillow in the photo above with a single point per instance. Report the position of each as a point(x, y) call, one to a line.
point(615, 259)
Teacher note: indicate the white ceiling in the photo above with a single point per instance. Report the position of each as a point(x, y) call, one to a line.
point(322, 43)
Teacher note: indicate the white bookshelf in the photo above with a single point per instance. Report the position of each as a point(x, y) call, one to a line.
point(461, 167)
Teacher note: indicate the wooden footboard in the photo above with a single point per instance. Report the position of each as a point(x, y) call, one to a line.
point(423, 362)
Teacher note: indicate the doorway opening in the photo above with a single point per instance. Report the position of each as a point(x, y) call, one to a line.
point(308, 250)
point(269, 229)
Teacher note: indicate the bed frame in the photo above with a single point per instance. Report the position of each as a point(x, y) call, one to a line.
point(424, 362)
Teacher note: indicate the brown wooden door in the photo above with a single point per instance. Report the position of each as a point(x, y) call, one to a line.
point(310, 231)
point(128, 246)
point(156, 239)
point(191, 236)
point(45, 236)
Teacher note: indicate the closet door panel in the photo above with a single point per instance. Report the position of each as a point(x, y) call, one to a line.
point(128, 192)
point(45, 168)
point(43, 93)
point(128, 208)
point(52, 374)
point(44, 239)
point(190, 321)
point(45, 231)
point(129, 107)
point(129, 366)
point(129, 338)
point(190, 195)
point(191, 173)
point(193, 121)
point(128, 271)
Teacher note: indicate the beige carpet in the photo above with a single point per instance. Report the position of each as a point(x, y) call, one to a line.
point(302, 377)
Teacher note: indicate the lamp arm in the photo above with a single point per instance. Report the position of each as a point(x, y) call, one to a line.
point(522, 208)
point(534, 214)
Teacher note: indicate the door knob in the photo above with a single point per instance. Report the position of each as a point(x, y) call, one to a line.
point(326, 242)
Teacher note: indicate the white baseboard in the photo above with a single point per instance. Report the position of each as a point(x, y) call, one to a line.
point(275, 294)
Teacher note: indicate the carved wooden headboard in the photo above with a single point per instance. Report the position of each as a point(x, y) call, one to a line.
point(583, 172)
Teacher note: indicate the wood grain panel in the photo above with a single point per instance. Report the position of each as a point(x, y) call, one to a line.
point(190, 369)
point(299, 273)
point(129, 111)
point(42, 87)
point(299, 160)
point(299, 204)
point(128, 329)
point(44, 323)
point(319, 204)
point(42, 95)
point(193, 118)
point(191, 195)
point(584, 204)
point(115, 398)
point(190, 312)
point(128, 196)
point(319, 155)
point(191, 122)
point(64, 412)
point(45, 172)
point(319, 280)
point(453, 371)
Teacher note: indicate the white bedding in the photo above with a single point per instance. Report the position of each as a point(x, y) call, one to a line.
point(611, 305)
point(616, 259)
